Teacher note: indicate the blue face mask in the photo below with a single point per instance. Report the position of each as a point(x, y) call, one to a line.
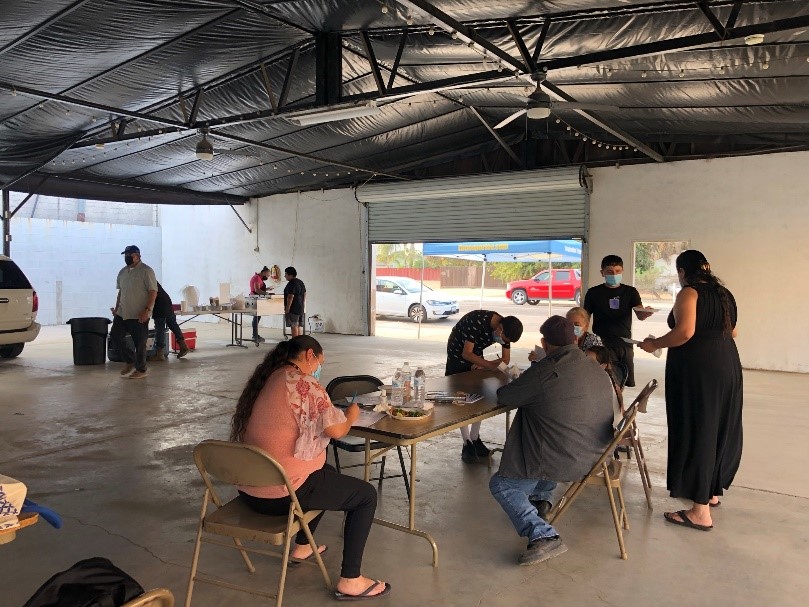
point(316, 373)
point(578, 331)
point(613, 280)
point(498, 339)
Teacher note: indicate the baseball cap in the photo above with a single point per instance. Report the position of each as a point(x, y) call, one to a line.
point(131, 249)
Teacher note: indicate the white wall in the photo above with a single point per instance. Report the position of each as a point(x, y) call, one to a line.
point(319, 233)
point(750, 218)
point(72, 265)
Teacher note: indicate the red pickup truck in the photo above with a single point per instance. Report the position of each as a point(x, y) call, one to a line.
point(566, 285)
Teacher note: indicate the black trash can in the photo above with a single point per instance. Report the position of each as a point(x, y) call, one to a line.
point(89, 340)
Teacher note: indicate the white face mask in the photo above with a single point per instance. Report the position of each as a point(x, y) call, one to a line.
point(578, 331)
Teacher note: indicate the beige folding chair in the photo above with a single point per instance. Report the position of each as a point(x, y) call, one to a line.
point(606, 472)
point(247, 466)
point(159, 597)
point(632, 439)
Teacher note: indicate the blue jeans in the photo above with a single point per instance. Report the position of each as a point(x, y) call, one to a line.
point(512, 494)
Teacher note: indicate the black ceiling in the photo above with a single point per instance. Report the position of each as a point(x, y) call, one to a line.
point(106, 98)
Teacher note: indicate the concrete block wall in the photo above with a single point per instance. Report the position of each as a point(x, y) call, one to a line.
point(90, 211)
point(73, 265)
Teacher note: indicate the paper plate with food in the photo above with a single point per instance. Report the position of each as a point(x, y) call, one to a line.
point(644, 311)
point(409, 414)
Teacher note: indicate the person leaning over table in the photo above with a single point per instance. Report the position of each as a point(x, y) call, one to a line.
point(284, 410)
point(164, 316)
point(562, 426)
point(257, 287)
point(473, 333)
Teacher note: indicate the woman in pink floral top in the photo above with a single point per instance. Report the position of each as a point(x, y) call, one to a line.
point(285, 411)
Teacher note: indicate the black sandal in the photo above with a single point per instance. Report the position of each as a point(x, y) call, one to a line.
point(363, 596)
point(685, 522)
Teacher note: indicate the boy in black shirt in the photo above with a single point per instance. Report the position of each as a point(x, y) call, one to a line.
point(611, 305)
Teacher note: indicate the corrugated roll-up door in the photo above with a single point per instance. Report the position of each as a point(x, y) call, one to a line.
point(525, 205)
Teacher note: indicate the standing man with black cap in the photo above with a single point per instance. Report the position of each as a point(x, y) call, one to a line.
point(137, 291)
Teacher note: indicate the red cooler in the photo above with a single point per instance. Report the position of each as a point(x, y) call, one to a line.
point(190, 337)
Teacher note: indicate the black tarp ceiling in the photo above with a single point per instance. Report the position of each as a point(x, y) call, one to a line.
point(107, 98)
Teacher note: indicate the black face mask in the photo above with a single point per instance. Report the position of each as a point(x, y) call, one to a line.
point(128, 259)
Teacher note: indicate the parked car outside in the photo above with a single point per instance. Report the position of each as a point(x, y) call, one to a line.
point(18, 309)
point(399, 296)
point(566, 285)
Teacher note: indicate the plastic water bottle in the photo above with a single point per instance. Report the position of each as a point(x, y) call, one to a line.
point(407, 376)
point(419, 387)
point(397, 390)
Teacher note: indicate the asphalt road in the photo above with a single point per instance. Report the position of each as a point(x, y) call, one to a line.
point(531, 316)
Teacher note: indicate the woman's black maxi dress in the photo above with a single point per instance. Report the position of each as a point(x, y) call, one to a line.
point(704, 403)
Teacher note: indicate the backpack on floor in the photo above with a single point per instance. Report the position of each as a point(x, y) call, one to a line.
point(93, 582)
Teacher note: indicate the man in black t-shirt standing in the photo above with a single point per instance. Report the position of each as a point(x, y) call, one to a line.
point(611, 305)
point(294, 301)
point(472, 334)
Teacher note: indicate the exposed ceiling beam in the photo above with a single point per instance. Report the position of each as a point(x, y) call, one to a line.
point(313, 157)
point(89, 105)
point(558, 94)
point(543, 33)
point(715, 23)
point(497, 138)
point(159, 47)
point(527, 58)
point(50, 157)
point(734, 14)
point(465, 33)
point(371, 56)
point(260, 9)
point(293, 63)
point(43, 26)
point(397, 60)
point(674, 44)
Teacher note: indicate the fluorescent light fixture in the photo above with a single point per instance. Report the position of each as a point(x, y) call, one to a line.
point(336, 113)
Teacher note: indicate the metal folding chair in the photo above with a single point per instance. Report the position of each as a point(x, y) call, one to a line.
point(159, 597)
point(248, 466)
point(606, 472)
point(345, 387)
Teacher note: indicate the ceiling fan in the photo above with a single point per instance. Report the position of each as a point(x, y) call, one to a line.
point(539, 105)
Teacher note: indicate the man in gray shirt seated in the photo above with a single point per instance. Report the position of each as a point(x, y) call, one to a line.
point(562, 426)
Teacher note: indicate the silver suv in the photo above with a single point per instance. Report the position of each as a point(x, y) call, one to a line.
point(18, 309)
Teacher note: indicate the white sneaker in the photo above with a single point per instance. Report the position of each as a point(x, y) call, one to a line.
point(137, 375)
point(125, 372)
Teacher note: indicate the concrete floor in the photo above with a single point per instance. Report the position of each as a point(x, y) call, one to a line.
point(114, 458)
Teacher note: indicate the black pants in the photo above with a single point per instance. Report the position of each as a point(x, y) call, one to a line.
point(139, 332)
point(327, 489)
point(160, 325)
point(256, 320)
point(624, 354)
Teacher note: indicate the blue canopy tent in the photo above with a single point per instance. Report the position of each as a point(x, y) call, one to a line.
point(509, 250)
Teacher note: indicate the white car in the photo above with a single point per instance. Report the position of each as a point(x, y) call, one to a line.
point(399, 296)
point(18, 309)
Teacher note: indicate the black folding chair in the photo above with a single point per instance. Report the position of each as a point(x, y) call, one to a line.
point(347, 386)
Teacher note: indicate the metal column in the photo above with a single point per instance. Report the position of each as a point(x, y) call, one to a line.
point(7, 223)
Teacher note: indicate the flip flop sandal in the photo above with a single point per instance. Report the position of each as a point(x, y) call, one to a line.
point(293, 562)
point(685, 522)
point(363, 596)
point(716, 505)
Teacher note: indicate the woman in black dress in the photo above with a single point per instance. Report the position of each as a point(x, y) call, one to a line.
point(703, 391)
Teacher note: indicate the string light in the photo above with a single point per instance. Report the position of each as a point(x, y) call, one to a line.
point(590, 140)
point(430, 32)
point(384, 12)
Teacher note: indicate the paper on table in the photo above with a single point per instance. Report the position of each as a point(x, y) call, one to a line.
point(365, 399)
point(368, 418)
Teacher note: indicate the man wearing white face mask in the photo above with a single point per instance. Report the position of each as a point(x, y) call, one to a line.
point(611, 304)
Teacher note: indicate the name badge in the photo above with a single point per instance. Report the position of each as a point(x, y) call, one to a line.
point(615, 303)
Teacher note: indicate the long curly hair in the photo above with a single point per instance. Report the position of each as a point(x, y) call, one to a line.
point(275, 359)
point(696, 269)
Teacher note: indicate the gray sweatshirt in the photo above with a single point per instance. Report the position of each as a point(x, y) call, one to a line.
point(564, 420)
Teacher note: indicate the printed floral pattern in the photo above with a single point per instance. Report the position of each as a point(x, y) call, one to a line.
point(313, 412)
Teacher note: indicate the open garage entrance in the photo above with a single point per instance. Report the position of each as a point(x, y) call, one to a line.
point(525, 206)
